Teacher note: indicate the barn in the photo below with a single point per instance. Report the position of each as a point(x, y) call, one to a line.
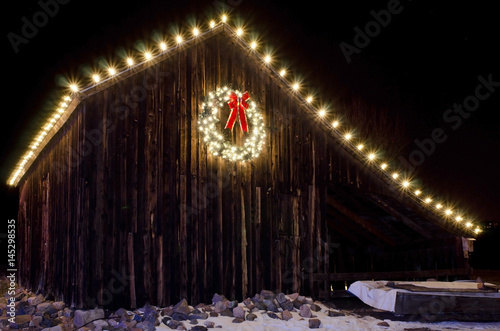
point(200, 168)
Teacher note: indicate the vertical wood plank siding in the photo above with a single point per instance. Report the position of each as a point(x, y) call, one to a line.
point(125, 205)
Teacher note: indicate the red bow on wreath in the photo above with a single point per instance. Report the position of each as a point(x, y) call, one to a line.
point(238, 106)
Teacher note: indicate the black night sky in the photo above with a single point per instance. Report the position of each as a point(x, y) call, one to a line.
point(425, 60)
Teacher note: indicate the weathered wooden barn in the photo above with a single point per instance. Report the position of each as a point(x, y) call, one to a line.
point(124, 203)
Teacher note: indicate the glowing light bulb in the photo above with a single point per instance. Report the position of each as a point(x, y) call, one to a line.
point(212, 24)
point(309, 99)
point(448, 212)
point(295, 86)
point(458, 218)
point(418, 192)
point(360, 146)
point(224, 18)
point(178, 39)
point(395, 175)
point(428, 200)
point(468, 224)
point(239, 32)
point(253, 45)
point(322, 113)
point(74, 87)
point(282, 72)
point(348, 136)
point(96, 78)
point(335, 124)
point(406, 183)
point(383, 166)
point(439, 206)
point(196, 32)
point(267, 59)
point(130, 61)
point(163, 46)
point(148, 56)
point(371, 156)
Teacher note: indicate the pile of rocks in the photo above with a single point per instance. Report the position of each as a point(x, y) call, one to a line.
point(36, 312)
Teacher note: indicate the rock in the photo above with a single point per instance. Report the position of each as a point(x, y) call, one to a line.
point(182, 307)
point(266, 294)
point(100, 325)
point(179, 317)
point(238, 320)
point(271, 305)
point(198, 328)
point(193, 321)
point(232, 304)
point(257, 298)
point(200, 316)
point(314, 323)
point(220, 306)
point(239, 312)
point(35, 321)
point(228, 312)
point(213, 314)
point(165, 319)
point(35, 300)
point(247, 302)
point(55, 328)
point(83, 317)
point(174, 324)
point(273, 315)
point(334, 314)
point(218, 298)
point(24, 308)
point(209, 324)
point(23, 321)
point(251, 317)
point(314, 307)
point(286, 315)
point(42, 307)
point(293, 296)
point(305, 311)
point(58, 305)
point(260, 305)
point(384, 324)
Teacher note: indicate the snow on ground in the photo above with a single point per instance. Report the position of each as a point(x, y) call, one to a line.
point(350, 322)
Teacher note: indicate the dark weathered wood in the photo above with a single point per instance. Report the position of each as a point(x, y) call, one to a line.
point(126, 193)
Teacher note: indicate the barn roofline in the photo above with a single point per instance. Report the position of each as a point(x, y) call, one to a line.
point(438, 214)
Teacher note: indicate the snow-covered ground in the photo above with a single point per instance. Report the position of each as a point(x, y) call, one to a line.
point(349, 322)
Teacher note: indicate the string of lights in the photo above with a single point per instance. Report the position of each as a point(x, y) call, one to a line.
point(253, 146)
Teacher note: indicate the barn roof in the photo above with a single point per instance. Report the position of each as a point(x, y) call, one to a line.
point(407, 191)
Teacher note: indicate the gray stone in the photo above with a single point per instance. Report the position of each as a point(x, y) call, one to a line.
point(272, 315)
point(384, 324)
point(58, 305)
point(314, 323)
point(238, 320)
point(182, 307)
point(200, 316)
point(218, 298)
point(179, 317)
point(213, 314)
point(305, 311)
point(251, 317)
point(220, 306)
point(198, 328)
point(232, 304)
point(315, 307)
point(209, 324)
point(193, 321)
point(228, 312)
point(293, 296)
point(334, 314)
point(266, 294)
point(271, 305)
point(174, 324)
point(286, 315)
point(83, 317)
point(239, 312)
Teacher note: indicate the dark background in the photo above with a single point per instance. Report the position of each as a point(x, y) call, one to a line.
point(426, 59)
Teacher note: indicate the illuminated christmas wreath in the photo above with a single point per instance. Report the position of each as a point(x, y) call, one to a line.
point(241, 108)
